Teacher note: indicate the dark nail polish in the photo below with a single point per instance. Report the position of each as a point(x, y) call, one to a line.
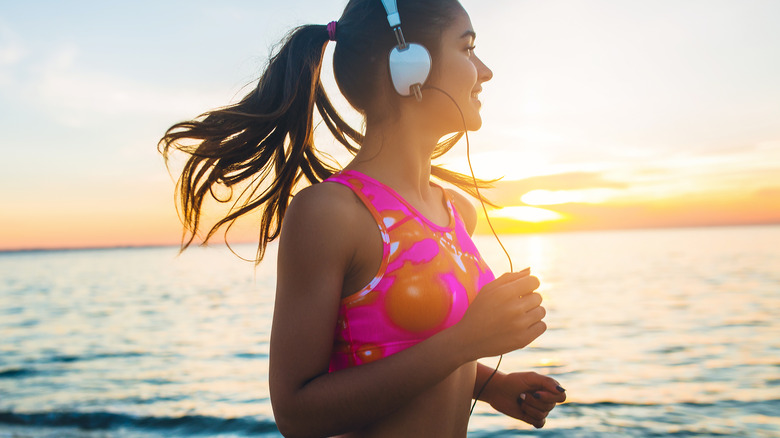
point(560, 389)
point(537, 395)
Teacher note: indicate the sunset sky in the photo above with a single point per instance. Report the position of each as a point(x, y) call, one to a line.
point(601, 114)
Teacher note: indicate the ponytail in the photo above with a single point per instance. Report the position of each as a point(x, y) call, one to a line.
point(265, 144)
point(265, 141)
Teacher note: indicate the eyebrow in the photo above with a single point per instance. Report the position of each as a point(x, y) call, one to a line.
point(469, 33)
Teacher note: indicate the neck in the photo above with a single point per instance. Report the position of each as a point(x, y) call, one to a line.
point(398, 153)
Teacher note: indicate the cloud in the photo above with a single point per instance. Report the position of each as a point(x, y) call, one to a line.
point(680, 211)
point(509, 192)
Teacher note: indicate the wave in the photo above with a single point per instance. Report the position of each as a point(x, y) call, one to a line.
point(767, 408)
point(12, 373)
point(187, 424)
point(67, 358)
point(253, 425)
point(718, 404)
point(613, 419)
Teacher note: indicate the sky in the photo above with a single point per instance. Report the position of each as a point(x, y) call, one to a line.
point(601, 114)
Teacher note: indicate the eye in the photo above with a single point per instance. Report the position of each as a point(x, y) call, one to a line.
point(470, 50)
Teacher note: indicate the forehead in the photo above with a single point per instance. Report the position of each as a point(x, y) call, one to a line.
point(459, 28)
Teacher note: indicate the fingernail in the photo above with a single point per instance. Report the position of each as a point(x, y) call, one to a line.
point(537, 395)
point(560, 389)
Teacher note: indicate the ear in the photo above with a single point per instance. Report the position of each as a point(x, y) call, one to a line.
point(409, 68)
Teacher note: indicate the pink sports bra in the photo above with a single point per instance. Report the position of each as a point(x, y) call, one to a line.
point(428, 276)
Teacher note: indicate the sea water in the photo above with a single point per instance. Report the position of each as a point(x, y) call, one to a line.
point(672, 332)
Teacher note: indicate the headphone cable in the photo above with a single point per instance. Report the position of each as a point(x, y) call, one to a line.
point(487, 217)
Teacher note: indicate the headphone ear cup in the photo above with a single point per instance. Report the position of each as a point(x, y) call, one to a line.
point(408, 67)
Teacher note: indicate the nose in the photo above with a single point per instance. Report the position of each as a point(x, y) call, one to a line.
point(484, 73)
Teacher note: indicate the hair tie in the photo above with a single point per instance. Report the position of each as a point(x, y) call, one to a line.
point(332, 31)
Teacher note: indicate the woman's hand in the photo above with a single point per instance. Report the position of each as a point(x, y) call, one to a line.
point(506, 315)
point(526, 396)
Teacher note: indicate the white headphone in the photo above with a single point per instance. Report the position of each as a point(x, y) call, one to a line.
point(410, 63)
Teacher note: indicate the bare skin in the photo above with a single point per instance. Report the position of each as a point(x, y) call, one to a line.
point(330, 247)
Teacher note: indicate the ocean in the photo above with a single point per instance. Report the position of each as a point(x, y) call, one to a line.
point(653, 333)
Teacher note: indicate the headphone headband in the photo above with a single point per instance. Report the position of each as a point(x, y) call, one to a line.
point(391, 7)
point(409, 64)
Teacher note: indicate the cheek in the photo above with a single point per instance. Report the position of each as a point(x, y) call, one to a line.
point(456, 72)
point(467, 74)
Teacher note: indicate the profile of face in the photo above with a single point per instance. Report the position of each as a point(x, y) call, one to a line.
point(460, 72)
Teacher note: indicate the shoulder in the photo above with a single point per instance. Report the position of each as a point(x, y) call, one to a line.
point(326, 198)
point(324, 229)
point(465, 209)
point(322, 207)
point(319, 219)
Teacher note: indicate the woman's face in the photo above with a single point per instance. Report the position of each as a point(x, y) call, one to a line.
point(459, 72)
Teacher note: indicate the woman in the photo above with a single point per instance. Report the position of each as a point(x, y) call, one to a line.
point(383, 303)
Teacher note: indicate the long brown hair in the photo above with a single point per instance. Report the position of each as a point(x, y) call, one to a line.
point(265, 142)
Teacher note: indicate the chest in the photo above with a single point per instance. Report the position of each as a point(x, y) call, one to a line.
point(424, 279)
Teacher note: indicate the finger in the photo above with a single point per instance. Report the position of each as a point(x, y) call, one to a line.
point(548, 388)
point(551, 390)
point(528, 413)
point(530, 301)
point(532, 332)
point(533, 414)
point(526, 285)
point(535, 314)
point(517, 283)
point(528, 319)
point(550, 397)
point(553, 387)
point(533, 422)
point(554, 395)
point(509, 277)
point(540, 403)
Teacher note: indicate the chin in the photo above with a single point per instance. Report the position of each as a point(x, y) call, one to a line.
point(474, 123)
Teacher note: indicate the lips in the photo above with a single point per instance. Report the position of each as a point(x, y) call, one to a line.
point(475, 96)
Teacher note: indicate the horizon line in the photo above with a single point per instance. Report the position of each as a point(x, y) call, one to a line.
point(4, 251)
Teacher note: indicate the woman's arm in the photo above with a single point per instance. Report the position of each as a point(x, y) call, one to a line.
point(317, 245)
point(318, 242)
point(511, 394)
